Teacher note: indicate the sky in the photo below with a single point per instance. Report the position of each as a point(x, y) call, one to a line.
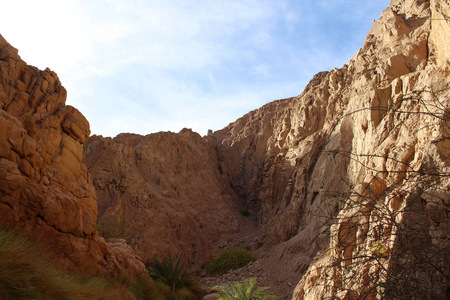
point(144, 66)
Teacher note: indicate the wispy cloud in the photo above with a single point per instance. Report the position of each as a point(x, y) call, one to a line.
point(144, 66)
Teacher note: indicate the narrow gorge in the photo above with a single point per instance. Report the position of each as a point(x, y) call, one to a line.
point(346, 185)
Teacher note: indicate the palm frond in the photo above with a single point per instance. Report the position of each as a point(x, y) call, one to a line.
point(171, 273)
point(245, 290)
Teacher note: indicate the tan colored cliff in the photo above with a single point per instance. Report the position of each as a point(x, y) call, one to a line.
point(390, 239)
point(163, 192)
point(361, 126)
point(335, 174)
point(45, 188)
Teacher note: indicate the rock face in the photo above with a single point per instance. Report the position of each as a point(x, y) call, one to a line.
point(45, 189)
point(163, 192)
point(397, 164)
point(337, 175)
point(349, 179)
point(366, 133)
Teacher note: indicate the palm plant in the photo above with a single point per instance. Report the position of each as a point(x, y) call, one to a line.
point(244, 290)
point(179, 282)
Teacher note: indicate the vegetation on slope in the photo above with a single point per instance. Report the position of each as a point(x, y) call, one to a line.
point(245, 290)
point(230, 260)
point(175, 282)
point(27, 272)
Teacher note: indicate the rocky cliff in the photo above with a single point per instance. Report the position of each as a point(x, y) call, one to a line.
point(353, 146)
point(336, 175)
point(163, 192)
point(358, 137)
point(389, 238)
point(349, 180)
point(45, 188)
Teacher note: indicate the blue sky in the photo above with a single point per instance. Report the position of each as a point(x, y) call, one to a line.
point(144, 66)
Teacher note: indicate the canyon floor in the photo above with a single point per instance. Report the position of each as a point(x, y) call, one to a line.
point(265, 268)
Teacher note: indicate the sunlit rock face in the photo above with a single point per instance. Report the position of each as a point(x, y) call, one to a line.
point(364, 127)
point(45, 188)
point(335, 174)
point(163, 192)
point(366, 133)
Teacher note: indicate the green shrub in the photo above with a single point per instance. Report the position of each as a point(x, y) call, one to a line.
point(230, 260)
point(379, 249)
point(245, 290)
point(245, 212)
point(143, 288)
point(175, 282)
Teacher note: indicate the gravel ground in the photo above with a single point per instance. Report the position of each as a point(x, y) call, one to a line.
point(265, 268)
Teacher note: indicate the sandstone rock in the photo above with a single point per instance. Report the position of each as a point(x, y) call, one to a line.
point(352, 127)
point(45, 188)
point(293, 161)
point(163, 192)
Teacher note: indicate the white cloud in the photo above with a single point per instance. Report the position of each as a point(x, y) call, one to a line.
point(148, 65)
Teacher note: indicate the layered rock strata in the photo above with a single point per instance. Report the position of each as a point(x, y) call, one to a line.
point(45, 188)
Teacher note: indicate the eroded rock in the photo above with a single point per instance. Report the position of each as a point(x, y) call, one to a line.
point(163, 192)
point(45, 188)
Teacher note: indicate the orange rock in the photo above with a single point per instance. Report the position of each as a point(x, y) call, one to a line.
point(45, 189)
point(163, 192)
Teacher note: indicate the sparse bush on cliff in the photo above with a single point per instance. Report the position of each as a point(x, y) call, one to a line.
point(230, 260)
point(173, 281)
point(245, 212)
point(244, 290)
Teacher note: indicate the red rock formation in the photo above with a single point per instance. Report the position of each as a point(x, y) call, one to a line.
point(45, 189)
point(334, 174)
point(167, 192)
point(362, 128)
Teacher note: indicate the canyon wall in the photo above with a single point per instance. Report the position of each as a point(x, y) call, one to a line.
point(163, 192)
point(343, 178)
point(358, 138)
point(321, 170)
point(390, 236)
point(45, 189)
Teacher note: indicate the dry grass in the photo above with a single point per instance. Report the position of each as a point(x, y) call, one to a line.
point(26, 272)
